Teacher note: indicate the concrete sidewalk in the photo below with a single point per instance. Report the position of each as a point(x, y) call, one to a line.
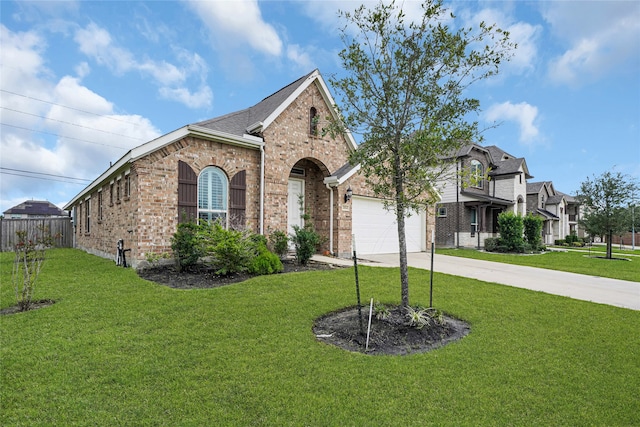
point(619, 293)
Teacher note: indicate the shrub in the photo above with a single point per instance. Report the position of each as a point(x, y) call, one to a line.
point(229, 251)
point(511, 231)
point(491, 244)
point(533, 231)
point(279, 243)
point(265, 263)
point(187, 245)
point(305, 240)
point(30, 253)
point(559, 242)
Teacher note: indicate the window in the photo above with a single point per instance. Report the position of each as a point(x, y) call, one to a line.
point(100, 205)
point(442, 211)
point(111, 194)
point(313, 121)
point(213, 188)
point(474, 221)
point(118, 191)
point(477, 174)
point(127, 186)
point(87, 216)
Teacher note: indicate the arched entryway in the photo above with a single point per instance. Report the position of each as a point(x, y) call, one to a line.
point(306, 193)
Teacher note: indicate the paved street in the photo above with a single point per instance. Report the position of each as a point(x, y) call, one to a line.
point(619, 293)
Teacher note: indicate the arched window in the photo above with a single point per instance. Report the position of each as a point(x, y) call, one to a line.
point(313, 121)
point(477, 174)
point(213, 190)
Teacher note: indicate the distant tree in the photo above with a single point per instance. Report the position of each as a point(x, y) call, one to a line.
point(606, 200)
point(404, 93)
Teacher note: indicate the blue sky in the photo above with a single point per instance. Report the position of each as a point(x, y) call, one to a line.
point(81, 83)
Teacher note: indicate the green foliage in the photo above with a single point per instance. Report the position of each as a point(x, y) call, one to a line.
point(511, 230)
point(403, 91)
point(229, 251)
point(305, 239)
point(30, 253)
point(533, 232)
point(265, 263)
point(606, 199)
point(491, 244)
point(186, 245)
point(418, 317)
point(279, 243)
point(381, 311)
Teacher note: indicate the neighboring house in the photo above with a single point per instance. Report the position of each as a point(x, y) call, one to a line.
point(248, 169)
point(560, 211)
point(35, 209)
point(470, 204)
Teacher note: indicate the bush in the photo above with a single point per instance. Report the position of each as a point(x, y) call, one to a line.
point(305, 240)
point(230, 251)
point(533, 232)
point(511, 231)
point(266, 263)
point(187, 245)
point(491, 244)
point(559, 242)
point(279, 243)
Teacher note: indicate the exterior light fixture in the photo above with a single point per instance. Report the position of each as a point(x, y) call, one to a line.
point(348, 194)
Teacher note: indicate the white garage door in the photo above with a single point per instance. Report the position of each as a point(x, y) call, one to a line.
point(376, 231)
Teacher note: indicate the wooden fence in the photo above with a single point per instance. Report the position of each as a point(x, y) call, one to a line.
point(60, 229)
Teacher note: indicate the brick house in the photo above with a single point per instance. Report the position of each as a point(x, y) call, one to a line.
point(248, 168)
point(482, 183)
point(560, 212)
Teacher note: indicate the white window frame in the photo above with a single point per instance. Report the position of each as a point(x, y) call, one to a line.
point(208, 208)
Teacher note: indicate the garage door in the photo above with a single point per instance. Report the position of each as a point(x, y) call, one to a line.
point(376, 231)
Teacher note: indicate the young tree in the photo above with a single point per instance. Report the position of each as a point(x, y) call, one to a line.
point(403, 92)
point(606, 199)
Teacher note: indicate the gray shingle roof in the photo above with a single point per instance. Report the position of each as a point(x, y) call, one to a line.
point(236, 123)
point(35, 208)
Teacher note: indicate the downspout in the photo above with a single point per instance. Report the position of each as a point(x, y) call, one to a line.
point(261, 189)
point(330, 218)
point(457, 234)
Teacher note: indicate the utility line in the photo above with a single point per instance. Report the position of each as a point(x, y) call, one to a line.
point(45, 179)
point(69, 123)
point(70, 108)
point(63, 136)
point(47, 174)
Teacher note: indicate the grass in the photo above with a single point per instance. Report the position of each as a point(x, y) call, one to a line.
point(118, 350)
point(571, 261)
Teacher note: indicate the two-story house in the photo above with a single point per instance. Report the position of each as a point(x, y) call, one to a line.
point(481, 183)
point(560, 211)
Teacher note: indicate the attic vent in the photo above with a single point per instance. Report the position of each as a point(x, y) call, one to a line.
point(297, 171)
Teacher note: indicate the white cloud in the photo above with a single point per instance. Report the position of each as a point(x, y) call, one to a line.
point(523, 114)
point(55, 126)
point(302, 58)
point(524, 34)
point(97, 43)
point(238, 22)
point(601, 37)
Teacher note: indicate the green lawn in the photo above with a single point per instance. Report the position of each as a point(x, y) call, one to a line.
point(118, 350)
point(571, 261)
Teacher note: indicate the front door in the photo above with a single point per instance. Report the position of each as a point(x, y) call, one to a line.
point(295, 194)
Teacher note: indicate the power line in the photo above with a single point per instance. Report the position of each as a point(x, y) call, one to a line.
point(42, 178)
point(69, 123)
point(46, 174)
point(70, 108)
point(62, 136)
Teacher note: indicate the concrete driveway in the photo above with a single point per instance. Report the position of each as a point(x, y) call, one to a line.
point(619, 293)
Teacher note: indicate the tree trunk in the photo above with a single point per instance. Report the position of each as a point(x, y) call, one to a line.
point(609, 244)
point(404, 268)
